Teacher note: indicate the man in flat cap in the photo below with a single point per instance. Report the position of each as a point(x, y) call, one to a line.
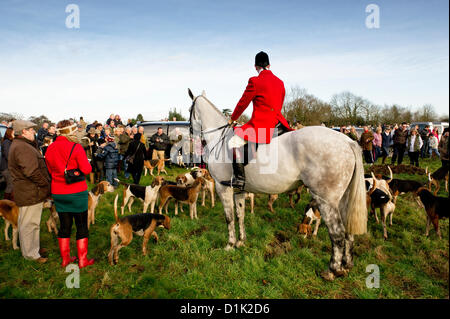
point(267, 92)
point(31, 187)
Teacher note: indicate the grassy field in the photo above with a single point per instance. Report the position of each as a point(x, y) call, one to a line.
point(189, 261)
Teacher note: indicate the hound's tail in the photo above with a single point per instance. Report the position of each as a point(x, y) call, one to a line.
point(390, 175)
point(354, 199)
point(120, 182)
point(115, 208)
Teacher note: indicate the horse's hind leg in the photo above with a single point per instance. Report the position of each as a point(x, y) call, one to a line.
point(347, 261)
point(336, 230)
point(226, 196)
point(239, 199)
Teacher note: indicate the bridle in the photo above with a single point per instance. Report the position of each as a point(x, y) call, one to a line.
point(225, 129)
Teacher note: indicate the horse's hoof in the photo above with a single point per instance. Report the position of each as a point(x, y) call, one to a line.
point(341, 273)
point(328, 275)
point(240, 244)
point(229, 247)
point(348, 266)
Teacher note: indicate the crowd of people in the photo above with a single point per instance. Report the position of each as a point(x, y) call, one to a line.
point(401, 139)
point(36, 166)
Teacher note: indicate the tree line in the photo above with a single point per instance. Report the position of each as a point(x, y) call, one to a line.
point(301, 107)
point(347, 108)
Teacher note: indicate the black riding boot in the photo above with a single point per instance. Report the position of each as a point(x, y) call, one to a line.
point(238, 180)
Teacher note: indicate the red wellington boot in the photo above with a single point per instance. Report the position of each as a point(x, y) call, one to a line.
point(64, 249)
point(82, 246)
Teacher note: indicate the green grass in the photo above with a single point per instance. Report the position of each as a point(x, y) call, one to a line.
point(189, 261)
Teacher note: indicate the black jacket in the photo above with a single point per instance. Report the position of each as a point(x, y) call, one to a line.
point(137, 148)
point(400, 136)
point(160, 145)
point(5, 152)
point(42, 132)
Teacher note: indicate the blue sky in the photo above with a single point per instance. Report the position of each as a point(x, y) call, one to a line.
point(132, 57)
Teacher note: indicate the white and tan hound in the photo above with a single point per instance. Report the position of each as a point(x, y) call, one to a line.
point(94, 196)
point(312, 214)
point(148, 194)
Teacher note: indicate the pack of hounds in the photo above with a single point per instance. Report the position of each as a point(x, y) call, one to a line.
point(382, 193)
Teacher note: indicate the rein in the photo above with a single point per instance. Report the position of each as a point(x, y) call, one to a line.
point(225, 130)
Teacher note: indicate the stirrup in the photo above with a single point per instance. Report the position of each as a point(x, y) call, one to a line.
point(235, 183)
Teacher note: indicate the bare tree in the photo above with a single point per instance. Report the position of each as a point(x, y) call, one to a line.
point(10, 116)
point(39, 120)
point(305, 108)
point(348, 107)
point(426, 114)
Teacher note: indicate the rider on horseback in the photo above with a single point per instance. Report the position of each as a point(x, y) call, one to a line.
point(266, 91)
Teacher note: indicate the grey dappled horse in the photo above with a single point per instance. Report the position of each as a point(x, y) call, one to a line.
point(327, 162)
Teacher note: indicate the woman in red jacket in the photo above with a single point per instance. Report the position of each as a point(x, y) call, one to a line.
point(71, 200)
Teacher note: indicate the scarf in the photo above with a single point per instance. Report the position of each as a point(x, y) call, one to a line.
point(69, 135)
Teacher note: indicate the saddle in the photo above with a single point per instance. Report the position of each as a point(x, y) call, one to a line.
point(250, 148)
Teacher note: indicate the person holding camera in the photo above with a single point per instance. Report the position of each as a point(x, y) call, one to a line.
point(160, 141)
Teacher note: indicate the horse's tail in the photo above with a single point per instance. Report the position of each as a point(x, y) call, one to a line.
point(355, 198)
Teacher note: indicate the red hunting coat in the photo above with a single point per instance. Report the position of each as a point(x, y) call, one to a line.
point(266, 91)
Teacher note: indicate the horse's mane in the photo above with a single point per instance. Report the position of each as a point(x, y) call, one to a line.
point(212, 104)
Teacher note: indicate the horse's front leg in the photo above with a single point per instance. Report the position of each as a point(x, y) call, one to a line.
point(336, 231)
point(239, 200)
point(226, 196)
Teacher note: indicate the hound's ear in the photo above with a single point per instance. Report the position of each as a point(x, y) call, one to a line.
point(95, 190)
point(204, 93)
point(166, 223)
point(190, 94)
point(102, 188)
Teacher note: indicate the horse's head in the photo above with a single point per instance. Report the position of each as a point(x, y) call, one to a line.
point(204, 112)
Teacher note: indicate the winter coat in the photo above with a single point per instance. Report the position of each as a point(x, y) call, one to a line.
point(387, 140)
point(124, 142)
point(110, 154)
point(56, 158)
point(6, 144)
point(377, 139)
point(425, 134)
point(162, 144)
point(90, 150)
point(433, 142)
point(136, 147)
point(443, 147)
point(366, 141)
point(353, 136)
point(42, 132)
point(400, 136)
point(26, 165)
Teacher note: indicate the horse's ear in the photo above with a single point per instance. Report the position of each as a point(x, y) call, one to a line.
point(204, 93)
point(190, 94)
